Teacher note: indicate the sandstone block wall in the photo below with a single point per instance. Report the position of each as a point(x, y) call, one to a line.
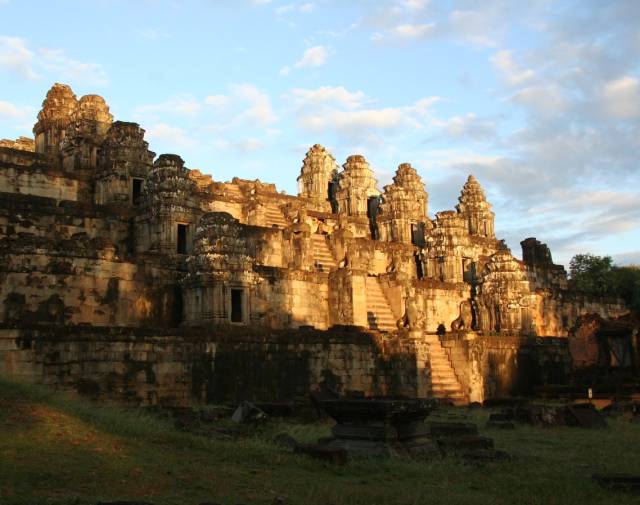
point(225, 366)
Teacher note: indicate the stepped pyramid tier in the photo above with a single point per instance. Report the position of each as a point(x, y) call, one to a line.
point(124, 161)
point(318, 175)
point(54, 119)
point(477, 211)
point(403, 212)
point(169, 180)
point(90, 121)
point(91, 118)
point(125, 143)
point(505, 297)
point(356, 186)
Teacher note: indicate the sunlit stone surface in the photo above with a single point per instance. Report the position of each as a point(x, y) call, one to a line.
point(97, 232)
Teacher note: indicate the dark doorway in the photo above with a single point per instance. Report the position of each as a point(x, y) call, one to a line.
point(417, 234)
point(373, 209)
point(177, 307)
point(419, 266)
point(236, 306)
point(136, 191)
point(182, 238)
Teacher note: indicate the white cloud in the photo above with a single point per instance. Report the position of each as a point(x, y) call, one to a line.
point(545, 99)
point(249, 145)
point(621, 98)
point(513, 73)
point(313, 57)
point(184, 105)
point(476, 27)
point(349, 114)
point(217, 101)
point(12, 111)
point(284, 9)
point(307, 7)
point(413, 31)
point(57, 62)
point(468, 126)
point(329, 94)
point(415, 5)
point(173, 137)
point(17, 58)
point(260, 110)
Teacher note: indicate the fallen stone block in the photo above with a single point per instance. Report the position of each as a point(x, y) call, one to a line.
point(247, 412)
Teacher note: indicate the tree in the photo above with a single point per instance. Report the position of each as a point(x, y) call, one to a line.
point(591, 274)
point(598, 276)
point(627, 285)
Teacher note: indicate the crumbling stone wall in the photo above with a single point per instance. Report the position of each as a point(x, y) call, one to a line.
point(230, 364)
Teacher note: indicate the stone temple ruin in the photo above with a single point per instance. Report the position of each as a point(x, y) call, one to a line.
point(130, 275)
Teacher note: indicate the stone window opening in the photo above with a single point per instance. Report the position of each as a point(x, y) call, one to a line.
point(419, 266)
point(136, 191)
point(237, 312)
point(182, 238)
point(441, 268)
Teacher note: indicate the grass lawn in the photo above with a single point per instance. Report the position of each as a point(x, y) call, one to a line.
point(59, 450)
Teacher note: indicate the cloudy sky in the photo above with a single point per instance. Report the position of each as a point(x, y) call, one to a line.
point(539, 99)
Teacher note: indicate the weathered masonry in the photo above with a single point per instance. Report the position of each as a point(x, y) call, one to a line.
point(99, 234)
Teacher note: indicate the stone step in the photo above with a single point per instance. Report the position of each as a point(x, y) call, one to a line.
point(379, 314)
point(440, 365)
point(321, 253)
point(444, 382)
point(274, 216)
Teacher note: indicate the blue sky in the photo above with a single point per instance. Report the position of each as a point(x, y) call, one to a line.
point(539, 99)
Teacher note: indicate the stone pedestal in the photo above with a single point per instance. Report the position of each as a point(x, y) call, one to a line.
point(381, 427)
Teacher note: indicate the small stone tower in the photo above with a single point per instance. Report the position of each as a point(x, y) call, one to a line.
point(356, 186)
point(403, 215)
point(54, 120)
point(171, 208)
point(90, 122)
point(318, 177)
point(473, 206)
point(124, 161)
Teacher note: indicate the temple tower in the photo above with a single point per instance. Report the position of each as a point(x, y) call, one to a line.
point(171, 207)
point(90, 122)
point(318, 177)
point(54, 120)
point(403, 215)
point(356, 186)
point(473, 206)
point(124, 162)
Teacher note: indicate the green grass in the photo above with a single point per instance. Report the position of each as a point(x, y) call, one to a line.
point(59, 450)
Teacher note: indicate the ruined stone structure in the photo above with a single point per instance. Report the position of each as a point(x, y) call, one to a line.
point(97, 232)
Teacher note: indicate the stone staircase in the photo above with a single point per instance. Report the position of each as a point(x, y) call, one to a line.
point(322, 255)
point(379, 314)
point(273, 217)
point(444, 382)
